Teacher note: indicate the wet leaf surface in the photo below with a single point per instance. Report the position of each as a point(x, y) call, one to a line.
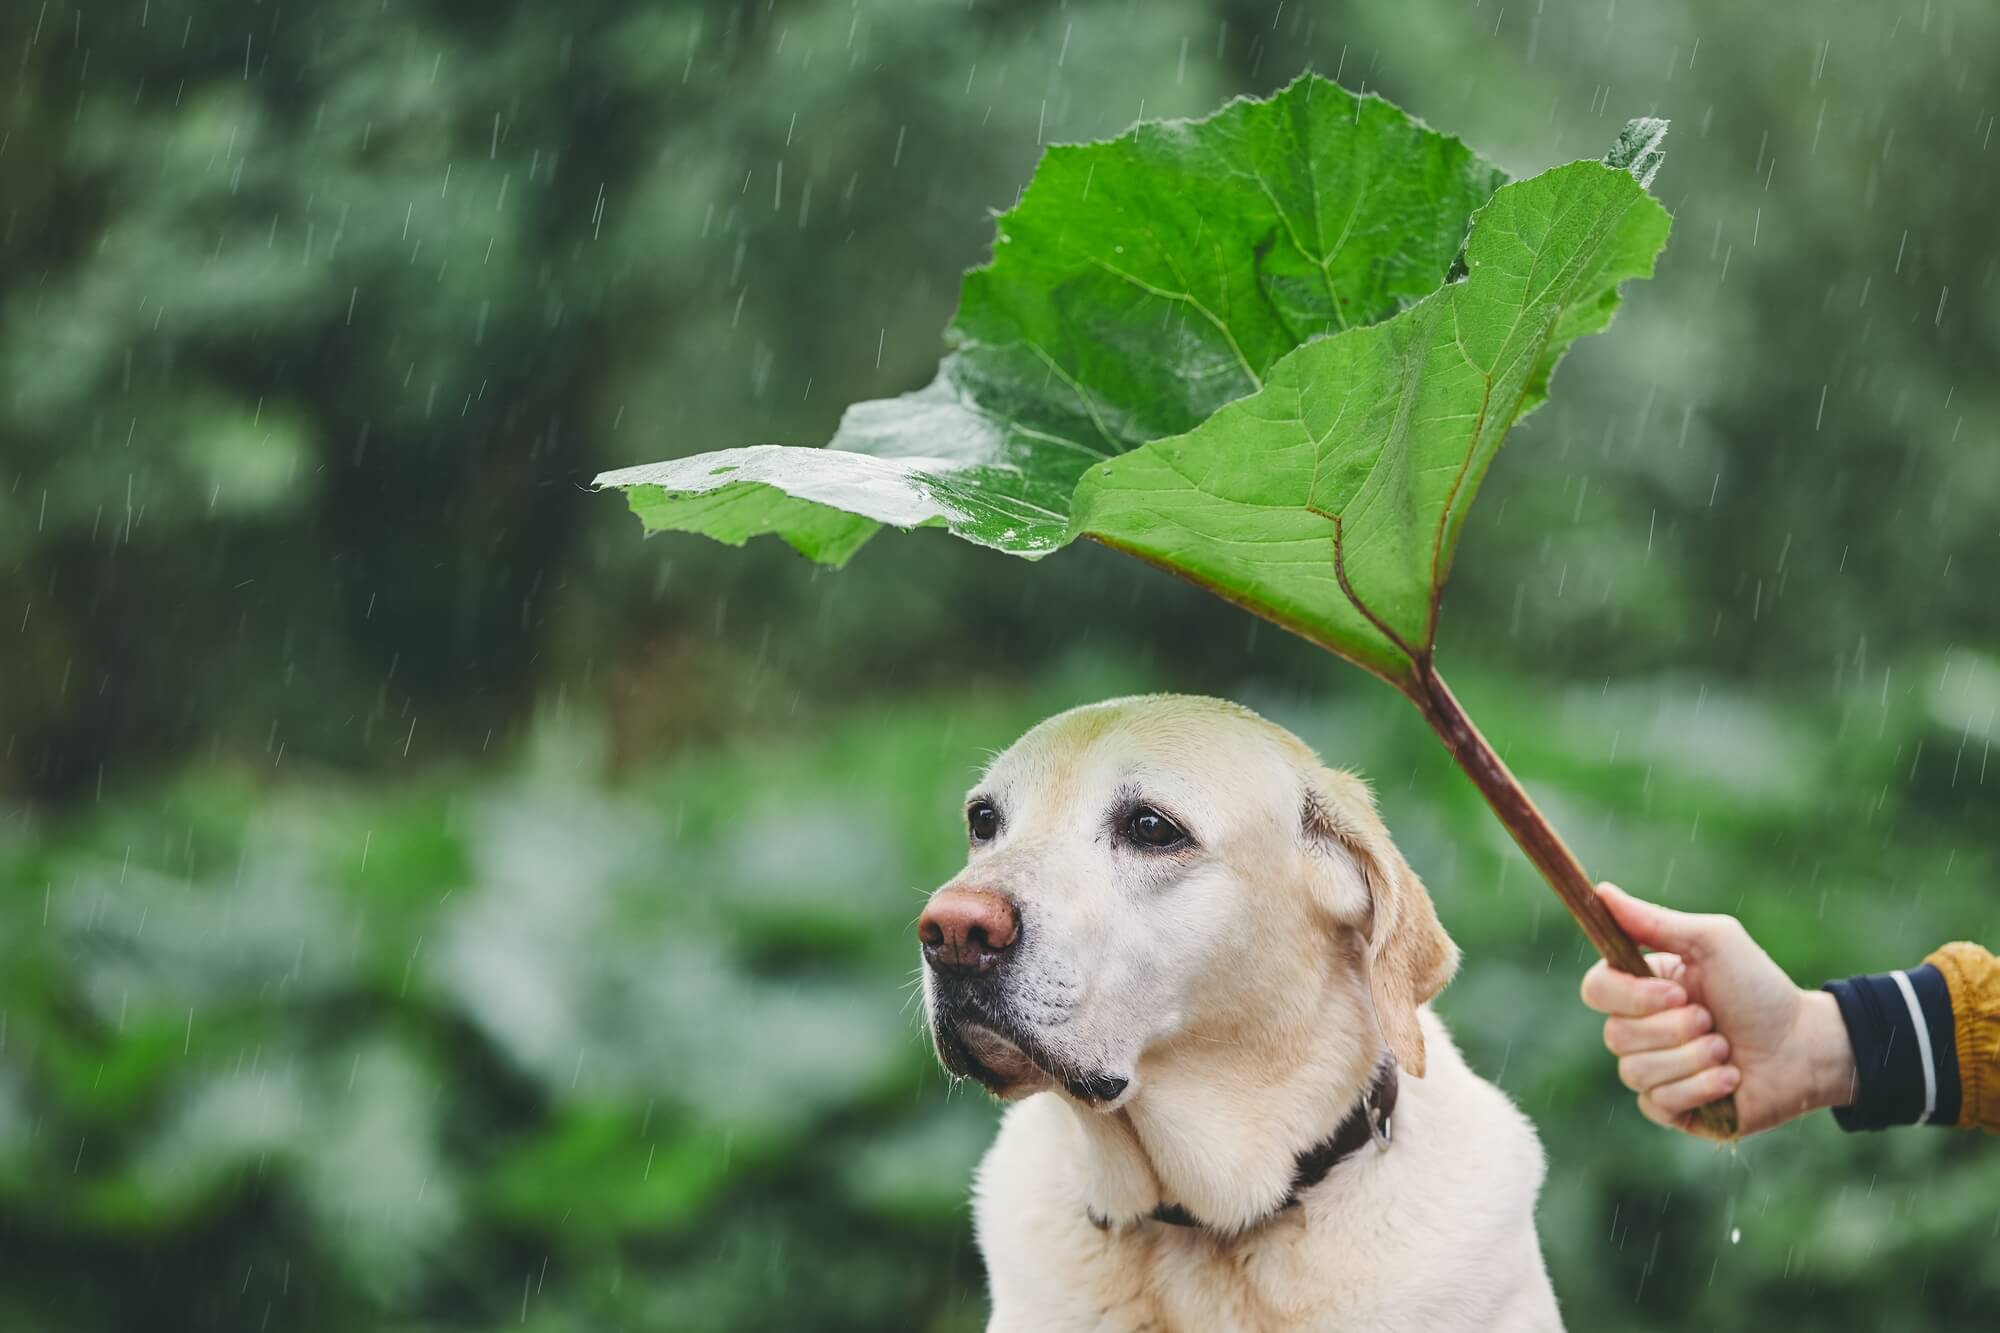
point(1140, 285)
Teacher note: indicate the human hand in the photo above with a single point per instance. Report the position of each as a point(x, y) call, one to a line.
point(1717, 1016)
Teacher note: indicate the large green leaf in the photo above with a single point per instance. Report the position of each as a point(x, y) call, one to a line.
point(1139, 285)
point(1331, 500)
point(1261, 350)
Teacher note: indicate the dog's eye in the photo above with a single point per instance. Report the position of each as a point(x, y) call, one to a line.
point(982, 821)
point(1149, 828)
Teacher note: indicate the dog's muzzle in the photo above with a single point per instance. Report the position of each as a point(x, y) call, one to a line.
point(978, 1038)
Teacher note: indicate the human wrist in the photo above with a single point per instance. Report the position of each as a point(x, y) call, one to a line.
point(1828, 1051)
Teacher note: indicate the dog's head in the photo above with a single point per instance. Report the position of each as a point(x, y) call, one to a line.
point(1162, 870)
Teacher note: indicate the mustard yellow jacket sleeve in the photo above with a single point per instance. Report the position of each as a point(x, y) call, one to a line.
point(1972, 975)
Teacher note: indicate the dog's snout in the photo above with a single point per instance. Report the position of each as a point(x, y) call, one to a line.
point(967, 930)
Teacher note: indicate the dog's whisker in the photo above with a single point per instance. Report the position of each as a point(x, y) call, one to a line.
point(1232, 1042)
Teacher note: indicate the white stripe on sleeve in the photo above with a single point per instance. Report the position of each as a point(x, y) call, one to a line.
point(1923, 1044)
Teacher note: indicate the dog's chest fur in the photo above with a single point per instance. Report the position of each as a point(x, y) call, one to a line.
point(1153, 1277)
point(1434, 1233)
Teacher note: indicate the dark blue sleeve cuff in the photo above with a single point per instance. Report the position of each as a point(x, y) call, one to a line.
point(1905, 1052)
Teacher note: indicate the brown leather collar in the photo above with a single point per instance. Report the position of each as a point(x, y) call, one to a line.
point(1370, 1119)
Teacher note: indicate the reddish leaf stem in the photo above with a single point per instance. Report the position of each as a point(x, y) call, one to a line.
point(1544, 846)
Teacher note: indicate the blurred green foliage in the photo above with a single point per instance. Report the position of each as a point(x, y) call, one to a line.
point(584, 1051)
point(429, 906)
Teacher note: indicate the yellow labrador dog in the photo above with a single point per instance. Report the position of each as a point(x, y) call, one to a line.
point(1189, 954)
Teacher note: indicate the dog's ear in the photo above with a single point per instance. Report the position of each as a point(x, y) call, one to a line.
point(1410, 958)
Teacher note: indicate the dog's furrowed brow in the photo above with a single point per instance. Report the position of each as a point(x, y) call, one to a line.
point(1123, 798)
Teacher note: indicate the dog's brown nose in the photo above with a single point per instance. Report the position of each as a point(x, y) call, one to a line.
point(966, 930)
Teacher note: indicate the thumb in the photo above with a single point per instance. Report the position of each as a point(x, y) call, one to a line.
point(1654, 926)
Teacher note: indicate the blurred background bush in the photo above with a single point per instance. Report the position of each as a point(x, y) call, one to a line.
point(429, 906)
